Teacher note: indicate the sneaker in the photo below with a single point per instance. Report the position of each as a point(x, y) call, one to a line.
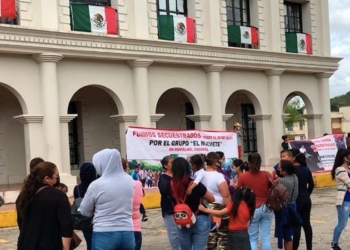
point(213, 226)
point(144, 218)
point(335, 246)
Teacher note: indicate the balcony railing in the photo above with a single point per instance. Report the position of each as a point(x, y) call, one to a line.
point(176, 28)
point(300, 43)
point(243, 36)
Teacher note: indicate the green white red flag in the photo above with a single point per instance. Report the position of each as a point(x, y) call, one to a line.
point(176, 28)
point(243, 35)
point(298, 43)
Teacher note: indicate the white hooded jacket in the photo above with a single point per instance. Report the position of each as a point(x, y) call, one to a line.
point(109, 198)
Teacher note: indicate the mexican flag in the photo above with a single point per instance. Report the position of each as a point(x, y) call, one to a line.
point(242, 34)
point(8, 9)
point(176, 28)
point(298, 43)
point(89, 18)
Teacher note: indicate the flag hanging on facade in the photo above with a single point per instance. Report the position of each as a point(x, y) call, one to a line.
point(176, 28)
point(8, 9)
point(89, 18)
point(242, 34)
point(298, 43)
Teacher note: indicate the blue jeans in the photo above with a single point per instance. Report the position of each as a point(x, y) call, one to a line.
point(138, 240)
point(171, 228)
point(262, 221)
point(195, 237)
point(119, 240)
point(343, 216)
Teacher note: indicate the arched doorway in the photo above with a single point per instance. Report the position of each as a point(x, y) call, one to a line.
point(243, 105)
point(12, 143)
point(92, 129)
point(176, 105)
point(296, 108)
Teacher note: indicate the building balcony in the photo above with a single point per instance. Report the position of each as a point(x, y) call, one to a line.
point(243, 36)
point(176, 28)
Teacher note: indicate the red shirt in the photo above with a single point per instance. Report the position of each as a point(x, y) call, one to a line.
point(242, 219)
point(258, 182)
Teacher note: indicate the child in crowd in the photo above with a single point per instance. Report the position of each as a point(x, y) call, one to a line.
point(241, 211)
point(197, 165)
point(63, 188)
point(285, 155)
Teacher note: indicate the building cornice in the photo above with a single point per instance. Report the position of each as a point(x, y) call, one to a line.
point(199, 118)
point(24, 119)
point(261, 117)
point(156, 117)
point(124, 118)
point(67, 118)
point(19, 40)
point(312, 116)
point(47, 57)
point(226, 117)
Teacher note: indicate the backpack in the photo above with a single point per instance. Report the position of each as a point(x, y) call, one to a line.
point(80, 222)
point(277, 196)
point(183, 215)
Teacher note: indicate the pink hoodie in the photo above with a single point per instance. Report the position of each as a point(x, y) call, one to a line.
point(136, 206)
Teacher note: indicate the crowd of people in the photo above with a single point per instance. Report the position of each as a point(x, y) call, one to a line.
point(204, 205)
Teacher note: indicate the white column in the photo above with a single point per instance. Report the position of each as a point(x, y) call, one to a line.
point(64, 120)
point(34, 142)
point(273, 30)
point(212, 22)
point(48, 13)
point(124, 122)
point(323, 97)
point(275, 106)
point(139, 22)
point(50, 105)
point(214, 95)
point(141, 92)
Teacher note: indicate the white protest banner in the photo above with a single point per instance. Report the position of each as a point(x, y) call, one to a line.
point(150, 144)
point(320, 152)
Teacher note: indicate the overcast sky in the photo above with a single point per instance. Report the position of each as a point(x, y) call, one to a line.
point(339, 15)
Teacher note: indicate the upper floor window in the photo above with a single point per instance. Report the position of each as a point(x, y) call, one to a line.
point(293, 17)
point(93, 2)
point(238, 12)
point(172, 7)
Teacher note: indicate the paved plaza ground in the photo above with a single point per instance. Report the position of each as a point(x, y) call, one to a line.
point(324, 219)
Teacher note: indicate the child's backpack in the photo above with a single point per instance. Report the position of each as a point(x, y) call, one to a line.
point(80, 222)
point(278, 195)
point(183, 215)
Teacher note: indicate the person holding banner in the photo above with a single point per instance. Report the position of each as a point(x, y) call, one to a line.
point(166, 203)
point(341, 173)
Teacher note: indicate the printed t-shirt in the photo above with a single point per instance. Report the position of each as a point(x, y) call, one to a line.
point(240, 222)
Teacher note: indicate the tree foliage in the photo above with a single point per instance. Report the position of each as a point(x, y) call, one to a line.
point(340, 101)
point(295, 109)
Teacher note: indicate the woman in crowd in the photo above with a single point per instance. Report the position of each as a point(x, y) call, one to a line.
point(136, 208)
point(341, 174)
point(217, 185)
point(43, 212)
point(109, 199)
point(195, 237)
point(258, 181)
point(303, 202)
point(87, 176)
point(166, 204)
point(283, 226)
point(240, 168)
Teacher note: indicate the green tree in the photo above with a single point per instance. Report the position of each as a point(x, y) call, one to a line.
point(295, 109)
point(340, 101)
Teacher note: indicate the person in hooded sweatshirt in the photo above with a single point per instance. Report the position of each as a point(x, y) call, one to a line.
point(87, 176)
point(110, 200)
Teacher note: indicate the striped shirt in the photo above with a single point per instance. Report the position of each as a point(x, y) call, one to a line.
point(343, 184)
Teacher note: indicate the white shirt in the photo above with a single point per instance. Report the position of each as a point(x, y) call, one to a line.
point(199, 176)
point(212, 181)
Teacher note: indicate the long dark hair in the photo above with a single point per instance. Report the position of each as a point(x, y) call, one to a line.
point(254, 161)
point(32, 183)
point(299, 157)
point(165, 161)
point(181, 174)
point(243, 166)
point(248, 196)
point(287, 166)
point(197, 162)
point(339, 160)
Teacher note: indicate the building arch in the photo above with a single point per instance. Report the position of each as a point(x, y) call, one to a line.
point(308, 103)
point(17, 95)
point(110, 92)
